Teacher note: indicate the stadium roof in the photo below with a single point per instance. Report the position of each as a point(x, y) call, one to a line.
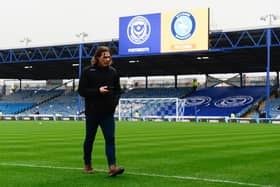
point(229, 52)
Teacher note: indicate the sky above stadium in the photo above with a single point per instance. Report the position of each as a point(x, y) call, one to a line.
point(55, 22)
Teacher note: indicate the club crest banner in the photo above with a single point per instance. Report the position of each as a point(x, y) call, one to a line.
point(184, 30)
point(164, 32)
point(139, 34)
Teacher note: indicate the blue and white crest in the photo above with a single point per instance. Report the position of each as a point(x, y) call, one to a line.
point(197, 100)
point(138, 30)
point(183, 26)
point(234, 101)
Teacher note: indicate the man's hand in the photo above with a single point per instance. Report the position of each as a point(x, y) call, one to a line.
point(104, 90)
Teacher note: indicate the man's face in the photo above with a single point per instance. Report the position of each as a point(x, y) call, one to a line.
point(105, 59)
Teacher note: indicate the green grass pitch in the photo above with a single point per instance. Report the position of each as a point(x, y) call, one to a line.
point(154, 154)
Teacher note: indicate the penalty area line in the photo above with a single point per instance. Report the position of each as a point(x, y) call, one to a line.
point(141, 174)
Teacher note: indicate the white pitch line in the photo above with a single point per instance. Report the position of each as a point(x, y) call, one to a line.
point(141, 174)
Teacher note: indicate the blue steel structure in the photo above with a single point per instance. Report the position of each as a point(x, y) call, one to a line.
point(80, 71)
point(219, 42)
point(52, 53)
point(268, 44)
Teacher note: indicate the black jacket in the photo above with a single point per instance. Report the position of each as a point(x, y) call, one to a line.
point(92, 78)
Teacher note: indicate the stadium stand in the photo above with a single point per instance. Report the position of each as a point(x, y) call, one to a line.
point(241, 46)
point(64, 105)
point(275, 108)
point(214, 101)
point(25, 99)
point(223, 101)
point(14, 108)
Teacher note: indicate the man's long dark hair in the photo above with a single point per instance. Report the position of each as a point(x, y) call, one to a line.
point(98, 53)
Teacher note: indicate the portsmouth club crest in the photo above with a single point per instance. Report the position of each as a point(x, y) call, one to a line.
point(138, 30)
point(197, 101)
point(234, 101)
point(183, 26)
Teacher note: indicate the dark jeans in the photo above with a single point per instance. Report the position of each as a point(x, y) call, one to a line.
point(107, 125)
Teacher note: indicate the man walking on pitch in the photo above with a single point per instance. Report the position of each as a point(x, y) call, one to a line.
point(100, 86)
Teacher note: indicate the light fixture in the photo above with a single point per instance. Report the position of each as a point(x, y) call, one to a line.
point(202, 57)
point(270, 18)
point(82, 36)
point(27, 67)
point(133, 61)
point(26, 41)
point(75, 65)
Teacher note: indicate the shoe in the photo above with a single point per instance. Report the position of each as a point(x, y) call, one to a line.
point(115, 171)
point(88, 169)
